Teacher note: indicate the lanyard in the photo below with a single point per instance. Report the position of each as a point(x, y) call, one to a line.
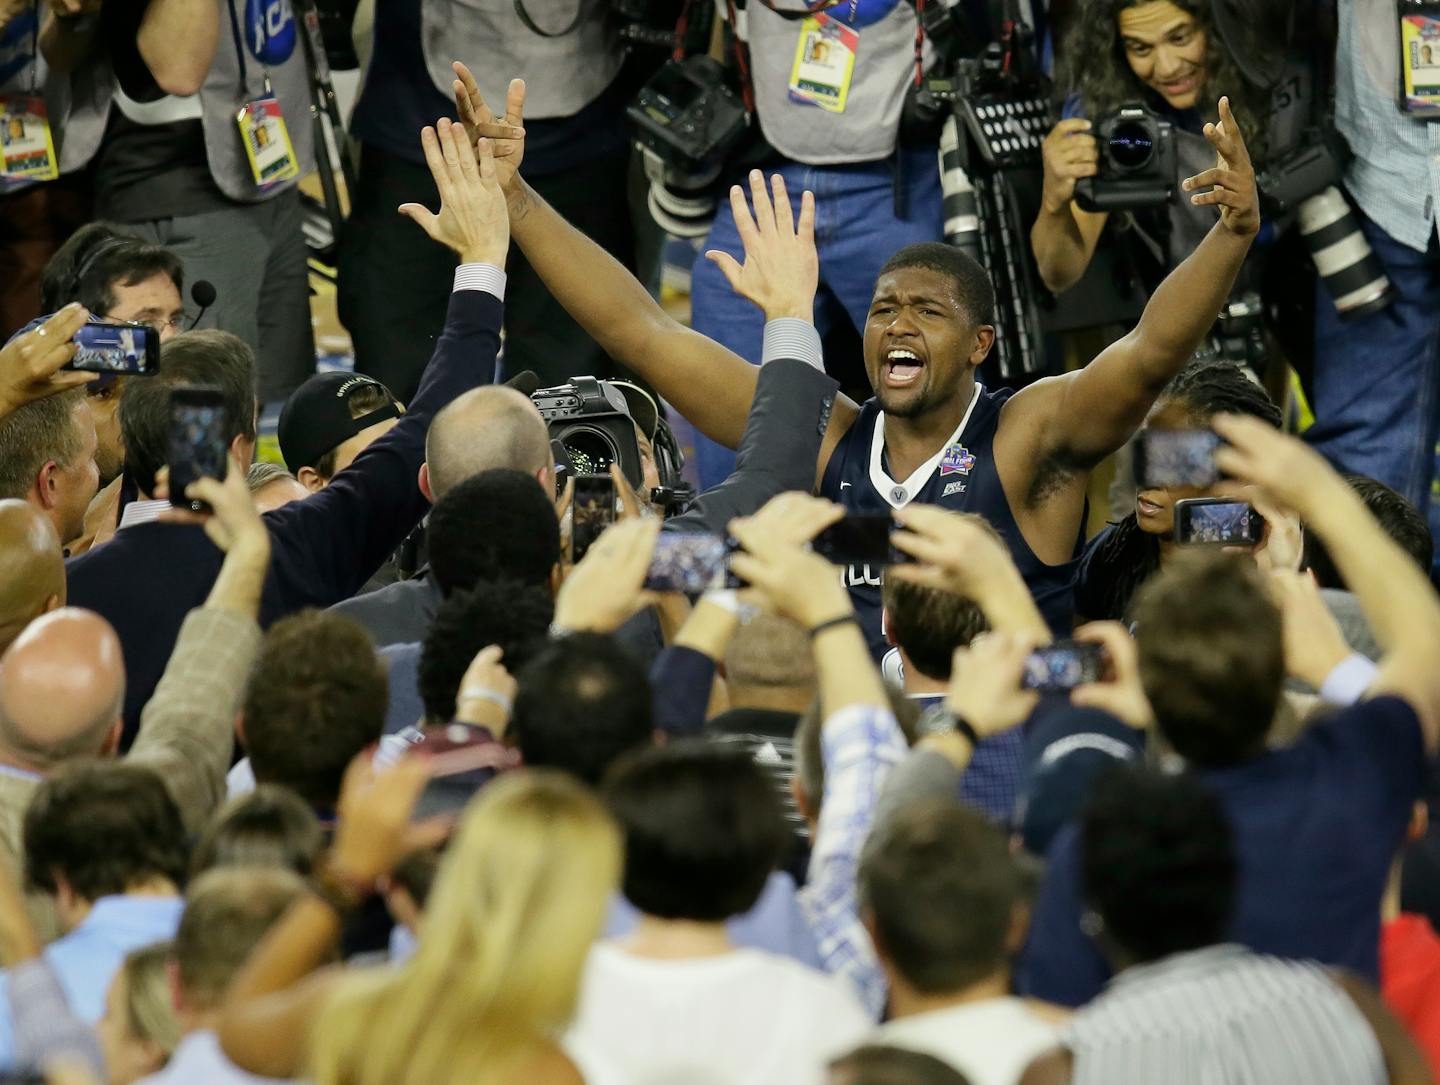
point(240, 55)
point(35, 50)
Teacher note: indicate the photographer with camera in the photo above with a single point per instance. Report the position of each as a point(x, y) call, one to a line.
point(1377, 367)
point(1133, 67)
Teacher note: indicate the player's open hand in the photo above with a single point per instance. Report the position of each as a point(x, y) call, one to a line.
point(781, 269)
point(505, 133)
point(1232, 181)
point(473, 220)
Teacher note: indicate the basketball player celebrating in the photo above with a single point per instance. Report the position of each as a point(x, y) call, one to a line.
point(932, 434)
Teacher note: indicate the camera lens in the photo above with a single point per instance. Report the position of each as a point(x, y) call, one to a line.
point(1131, 145)
point(591, 450)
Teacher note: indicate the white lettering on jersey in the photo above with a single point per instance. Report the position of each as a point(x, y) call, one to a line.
point(844, 486)
point(860, 576)
point(953, 488)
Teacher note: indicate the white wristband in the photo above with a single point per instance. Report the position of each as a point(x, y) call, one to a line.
point(480, 693)
point(1348, 682)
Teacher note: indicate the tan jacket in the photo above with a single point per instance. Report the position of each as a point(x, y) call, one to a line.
point(187, 734)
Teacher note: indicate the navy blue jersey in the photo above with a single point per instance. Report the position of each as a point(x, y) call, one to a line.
point(961, 476)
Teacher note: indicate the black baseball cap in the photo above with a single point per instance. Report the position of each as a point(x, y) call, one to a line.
point(316, 417)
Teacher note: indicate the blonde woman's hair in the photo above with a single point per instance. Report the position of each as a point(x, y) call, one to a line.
point(149, 1009)
point(521, 894)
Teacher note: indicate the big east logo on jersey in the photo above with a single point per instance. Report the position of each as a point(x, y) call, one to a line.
point(270, 30)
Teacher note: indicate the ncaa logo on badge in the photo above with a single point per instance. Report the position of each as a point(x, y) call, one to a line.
point(958, 460)
point(270, 30)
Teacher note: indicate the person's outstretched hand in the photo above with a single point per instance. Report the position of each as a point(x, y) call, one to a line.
point(232, 522)
point(506, 133)
point(796, 583)
point(1121, 694)
point(30, 364)
point(1232, 180)
point(953, 551)
point(795, 517)
point(373, 829)
point(1289, 474)
point(607, 587)
point(487, 692)
point(472, 219)
point(985, 682)
point(782, 268)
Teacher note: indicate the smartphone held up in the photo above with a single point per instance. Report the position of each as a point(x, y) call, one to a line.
point(117, 348)
point(198, 446)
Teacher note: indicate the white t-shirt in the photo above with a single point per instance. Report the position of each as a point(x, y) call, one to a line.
point(990, 1042)
point(742, 1018)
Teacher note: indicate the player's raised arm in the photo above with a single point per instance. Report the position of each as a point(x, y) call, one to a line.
point(706, 383)
point(1091, 413)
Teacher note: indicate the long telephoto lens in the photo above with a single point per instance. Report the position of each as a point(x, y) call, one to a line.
point(1353, 275)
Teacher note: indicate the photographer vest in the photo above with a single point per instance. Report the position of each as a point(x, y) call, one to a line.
point(224, 92)
point(884, 69)
point(563, 74)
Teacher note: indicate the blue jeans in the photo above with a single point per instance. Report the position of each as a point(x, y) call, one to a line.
point(1377, 379)
point(856, 231)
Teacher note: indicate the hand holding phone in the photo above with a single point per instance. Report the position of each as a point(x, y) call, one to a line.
point(1063, 665)
point(690, 564)
point(860, 539)
point(121, 348)
point(1216, 521)
point(199, 444)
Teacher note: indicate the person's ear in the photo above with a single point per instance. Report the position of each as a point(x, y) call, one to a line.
point(546, 477)
point(557, 578)
point(240, 727)
point(424, 483)
point(310, 479)
point(885, 628)
point(53, 603)
point(111, 745)
point(45, 485)
point(242, 448)
point(984, 340)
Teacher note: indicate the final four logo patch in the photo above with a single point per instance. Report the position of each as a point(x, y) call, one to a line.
point(957, 461)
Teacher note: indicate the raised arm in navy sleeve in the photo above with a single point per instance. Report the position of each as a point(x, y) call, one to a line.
point(328, 545)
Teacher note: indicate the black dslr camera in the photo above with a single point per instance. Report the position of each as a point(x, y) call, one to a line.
point(1137, 162)
point(686, 121)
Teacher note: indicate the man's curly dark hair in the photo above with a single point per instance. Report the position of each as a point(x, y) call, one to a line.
point(1157, 862)
point(507, 613)
point(1092, 62)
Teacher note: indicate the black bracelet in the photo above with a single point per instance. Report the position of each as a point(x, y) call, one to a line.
point(964, 727)
point(832, 623)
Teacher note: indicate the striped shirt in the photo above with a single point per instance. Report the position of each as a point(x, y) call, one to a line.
point(1223, 1014)
point(1395, 175)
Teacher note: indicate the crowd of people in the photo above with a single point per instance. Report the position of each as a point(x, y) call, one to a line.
point(405, 763)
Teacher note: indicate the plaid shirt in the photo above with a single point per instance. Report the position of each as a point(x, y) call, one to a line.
point(860, 746)
point(1395, 175)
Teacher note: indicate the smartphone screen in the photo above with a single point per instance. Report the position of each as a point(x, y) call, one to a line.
point(199, 445)
point(692, 564)
point(109, 347)
point(592, 511)
point(1060, 667)
point(1207, 521)
point(1179, 457)
point(860, 539)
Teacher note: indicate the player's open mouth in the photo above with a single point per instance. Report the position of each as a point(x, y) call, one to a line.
point(1146, 507)
point(902, 368)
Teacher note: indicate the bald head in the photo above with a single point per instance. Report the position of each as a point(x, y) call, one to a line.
point(32, 568)
point(62, 686)
point(487, 427)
